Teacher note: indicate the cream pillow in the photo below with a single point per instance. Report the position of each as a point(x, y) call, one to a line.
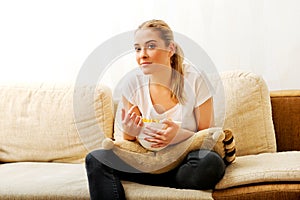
point(248, 112)
point(47, 122)
point(265, 167)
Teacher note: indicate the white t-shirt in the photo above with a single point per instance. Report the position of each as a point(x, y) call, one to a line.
point(197, 89)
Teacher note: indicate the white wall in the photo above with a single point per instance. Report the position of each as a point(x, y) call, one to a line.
point(50, 40)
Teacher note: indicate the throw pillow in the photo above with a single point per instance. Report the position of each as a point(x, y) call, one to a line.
point(168, 158)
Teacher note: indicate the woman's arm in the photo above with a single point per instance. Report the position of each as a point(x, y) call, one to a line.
point(131, 120)
point(205, 115)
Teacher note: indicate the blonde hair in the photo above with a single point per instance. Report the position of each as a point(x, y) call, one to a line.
point(166, 34)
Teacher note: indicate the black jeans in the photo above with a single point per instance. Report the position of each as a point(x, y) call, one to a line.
point(202, 169)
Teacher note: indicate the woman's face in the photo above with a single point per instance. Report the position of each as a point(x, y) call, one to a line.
point(151, 51)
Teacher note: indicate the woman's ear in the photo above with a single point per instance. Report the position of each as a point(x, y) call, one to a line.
point(172, 49)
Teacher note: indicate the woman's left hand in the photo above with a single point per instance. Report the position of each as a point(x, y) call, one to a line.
point(161, 137)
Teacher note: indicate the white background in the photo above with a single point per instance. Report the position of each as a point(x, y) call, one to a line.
point(48, 41)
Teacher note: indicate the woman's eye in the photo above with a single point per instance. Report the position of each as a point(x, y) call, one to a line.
point(137, 49)
point(151, 46)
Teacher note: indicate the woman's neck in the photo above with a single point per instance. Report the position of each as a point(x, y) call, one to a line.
point(161, 91)
point(162, 78)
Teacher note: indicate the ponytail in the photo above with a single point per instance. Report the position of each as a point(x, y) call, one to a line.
point(177, 85)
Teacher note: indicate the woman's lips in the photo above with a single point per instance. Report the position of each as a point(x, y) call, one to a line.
point(145, 63)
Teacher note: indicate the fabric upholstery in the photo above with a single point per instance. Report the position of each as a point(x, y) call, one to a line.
point(27, 134)
point(37, 122)
point(65, 181)
point(135, 191)
point(34, 180)
point(266, 167)
point(268, 191)
point(286, 118)
point(168, 158)
point(248, 112)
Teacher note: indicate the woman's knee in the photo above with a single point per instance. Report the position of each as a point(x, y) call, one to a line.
point(108, 159)
point(202, 169)
point(91, 162)
point(99, 156)
point(89, 157)
point(98, 159)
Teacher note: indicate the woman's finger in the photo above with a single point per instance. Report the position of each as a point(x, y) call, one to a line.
point(127, 118)
point(123, 114)
point(137, 120)
point(151, 134)
point(141, 123)
point(131, 109)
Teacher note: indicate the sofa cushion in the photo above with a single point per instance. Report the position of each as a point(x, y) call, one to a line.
point(248, 112)
point(266, 167)
point(45, 122)
point(65, 181)
point(33, 180)
point(135, 191)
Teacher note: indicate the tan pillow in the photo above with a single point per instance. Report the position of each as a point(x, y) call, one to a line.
point(37, 121)
point(216, 139)
point(222, 142)
point(248, 112)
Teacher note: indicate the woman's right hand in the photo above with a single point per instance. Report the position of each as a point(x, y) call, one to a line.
point(131, 122)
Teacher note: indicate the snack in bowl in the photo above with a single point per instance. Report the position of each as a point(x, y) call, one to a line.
point(157, 124)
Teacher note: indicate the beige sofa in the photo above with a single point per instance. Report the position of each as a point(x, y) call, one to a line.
point(46, 131)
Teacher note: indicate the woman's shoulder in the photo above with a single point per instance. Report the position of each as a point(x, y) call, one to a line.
point(191, 72)
point(134, 76)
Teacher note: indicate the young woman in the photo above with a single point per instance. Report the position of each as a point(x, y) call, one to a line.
point(165, 91)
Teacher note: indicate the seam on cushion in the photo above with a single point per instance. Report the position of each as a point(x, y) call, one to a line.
point(104, 108)
point(101, 98)
point(272, 147)
point(39, 86)
point(260, 177)
point(263, 85)
point(255, 193)
point(264, 116)
point(241, 181)
point(231, 194)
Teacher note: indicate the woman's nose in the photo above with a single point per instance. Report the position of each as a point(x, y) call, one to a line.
point(144, 53)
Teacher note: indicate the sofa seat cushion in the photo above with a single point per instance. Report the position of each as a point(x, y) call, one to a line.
point(135, 191)
point(266, 167)
point(29, 180)
point(66, 181)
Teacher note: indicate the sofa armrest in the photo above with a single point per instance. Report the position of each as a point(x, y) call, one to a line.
point(286, 119)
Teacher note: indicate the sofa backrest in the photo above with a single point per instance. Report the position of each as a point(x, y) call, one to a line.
point(45, 122)
point(61, 123)
point(248, 112)
point(286, 118)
